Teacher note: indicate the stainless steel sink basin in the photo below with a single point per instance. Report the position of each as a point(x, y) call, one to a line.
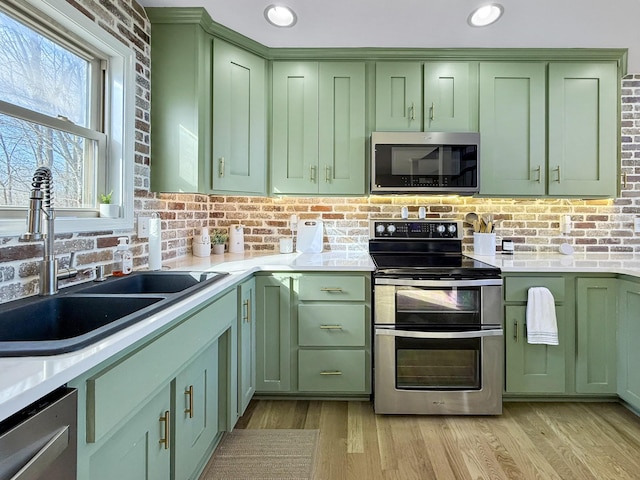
point(153, 282)
point(60, 324)
point(87, 313)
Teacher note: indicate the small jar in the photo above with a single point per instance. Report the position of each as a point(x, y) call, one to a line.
point(507, 247)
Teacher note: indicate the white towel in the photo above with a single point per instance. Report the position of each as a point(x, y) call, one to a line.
point(542, 326)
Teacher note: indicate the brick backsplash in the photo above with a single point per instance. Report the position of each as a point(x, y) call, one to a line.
point(598, 225)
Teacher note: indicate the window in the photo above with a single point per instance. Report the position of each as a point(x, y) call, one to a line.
point(66, 102)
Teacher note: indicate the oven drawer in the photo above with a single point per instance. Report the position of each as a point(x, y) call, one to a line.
point(341, 325)
point(331, 371)
point(332, 287)
point(516, 288)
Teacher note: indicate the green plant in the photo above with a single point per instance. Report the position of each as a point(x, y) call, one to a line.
point(106, 197)
point(218, 237)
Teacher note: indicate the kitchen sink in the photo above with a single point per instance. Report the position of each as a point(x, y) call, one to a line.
point(60, 324)
point(87, 313)
point(153, 282)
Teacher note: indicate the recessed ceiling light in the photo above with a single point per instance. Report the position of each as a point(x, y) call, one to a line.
point(280, 16)
point(485, 15)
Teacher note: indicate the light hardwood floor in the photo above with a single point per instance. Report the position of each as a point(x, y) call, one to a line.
point(561, 441)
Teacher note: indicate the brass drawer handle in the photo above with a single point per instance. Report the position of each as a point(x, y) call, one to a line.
point(189, 391)
point(331, 289)
point(166, 418)
point(221, 167)
point(331, 327)
point(246, 316)
point(331, 372)
point(327, 174)
point(624, 180)
point(558, 170)
point(538, 171)
point(312, 173)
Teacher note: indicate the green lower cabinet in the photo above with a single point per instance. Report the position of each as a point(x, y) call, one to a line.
point(339, 371)
point(628, 343)
point(246, 344)
point(533, 368)
point(196, 412)
point(596, 314)
point(273, 333)
point(140, 449)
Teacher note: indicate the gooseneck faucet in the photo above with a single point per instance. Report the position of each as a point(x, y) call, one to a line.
point(41, 207)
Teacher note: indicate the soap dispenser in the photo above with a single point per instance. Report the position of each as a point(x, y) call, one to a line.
point(123, 258)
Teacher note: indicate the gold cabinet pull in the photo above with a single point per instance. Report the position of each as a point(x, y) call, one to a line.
point(221, 167)
point(246, 314)
point(327, 173)
point(331, 289)
point(412, 111)
point(331, 327)
point(312, 173)
point(539, 172)
point(432, 116)
point(515, 330)
point(166, 418)
point(624, 179)
point(331, 372)
point(558, 170)
point(189, 393)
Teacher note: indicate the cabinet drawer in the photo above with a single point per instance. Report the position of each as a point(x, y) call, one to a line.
point(517, 288)
point(341, 325)
point(332, 287)
point(331, 371)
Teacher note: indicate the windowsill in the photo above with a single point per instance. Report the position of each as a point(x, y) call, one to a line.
point(65, 225)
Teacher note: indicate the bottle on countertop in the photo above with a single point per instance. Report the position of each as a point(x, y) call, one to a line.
point(122, 258)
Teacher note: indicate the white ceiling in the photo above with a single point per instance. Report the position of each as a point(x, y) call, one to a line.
point(433, 23)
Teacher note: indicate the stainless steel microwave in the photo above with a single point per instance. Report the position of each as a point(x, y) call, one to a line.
point(425, 162)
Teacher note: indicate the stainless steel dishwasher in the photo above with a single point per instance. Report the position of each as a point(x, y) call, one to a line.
point(40, 441)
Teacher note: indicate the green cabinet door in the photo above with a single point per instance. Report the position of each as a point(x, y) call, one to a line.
point(583, 129)
point(181, 113)
point(239, 120)
point(196, 412)
point(294, 126)
point(246, 344)
point(318, 129)
point(341, 130)
point(628, 342)
point(596, 300)
point(136, 451)
point(533, 368)
point(273, 333)
point(398, 96)
point(512, 129)
point(451, 96)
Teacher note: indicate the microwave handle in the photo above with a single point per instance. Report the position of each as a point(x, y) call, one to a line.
point(495, 332)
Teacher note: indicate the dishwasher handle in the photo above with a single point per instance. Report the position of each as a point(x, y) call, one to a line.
point(39, 463)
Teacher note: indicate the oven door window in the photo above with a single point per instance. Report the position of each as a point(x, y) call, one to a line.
point(437, 306)
point(438, 364)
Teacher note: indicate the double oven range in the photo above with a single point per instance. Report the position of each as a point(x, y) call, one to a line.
point(438, 342)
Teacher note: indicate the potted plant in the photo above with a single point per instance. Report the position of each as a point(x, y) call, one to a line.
point(218, 239)
point(107, 209)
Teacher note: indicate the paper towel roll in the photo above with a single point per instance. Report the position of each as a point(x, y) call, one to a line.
point(155, 244)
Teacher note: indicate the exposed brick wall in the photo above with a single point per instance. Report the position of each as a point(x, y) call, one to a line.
point(598, 226)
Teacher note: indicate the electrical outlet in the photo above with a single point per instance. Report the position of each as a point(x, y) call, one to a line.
point(636, 225)
point(143, 227)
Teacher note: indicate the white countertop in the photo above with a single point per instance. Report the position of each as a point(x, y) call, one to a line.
point(24, 380)
point(614, 263)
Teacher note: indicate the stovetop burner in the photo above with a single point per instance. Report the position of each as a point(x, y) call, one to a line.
point(423, 249)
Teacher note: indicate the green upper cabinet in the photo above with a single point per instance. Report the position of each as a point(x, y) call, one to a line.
point(430, 96)
point(239, 120)
point(583, 129)
point(318, 128)
point(181, 113)
point(398, 96)
point(512, 129)
point(549, 129)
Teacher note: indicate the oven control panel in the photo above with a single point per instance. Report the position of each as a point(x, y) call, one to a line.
point(415, 229)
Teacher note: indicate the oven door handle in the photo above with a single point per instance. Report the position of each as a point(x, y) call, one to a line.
point(494, 332)
point(438, 283)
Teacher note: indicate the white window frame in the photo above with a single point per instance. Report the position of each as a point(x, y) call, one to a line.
point(118, 160)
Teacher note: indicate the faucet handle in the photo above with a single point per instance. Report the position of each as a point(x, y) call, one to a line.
point(72, 260)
